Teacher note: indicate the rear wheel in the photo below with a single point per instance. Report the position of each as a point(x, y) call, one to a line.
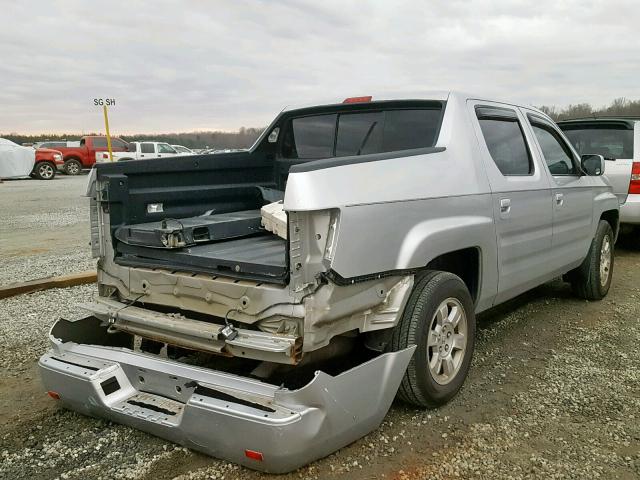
point(44, 171)
point(439, 318)
point(592, 279)
point(72, 167)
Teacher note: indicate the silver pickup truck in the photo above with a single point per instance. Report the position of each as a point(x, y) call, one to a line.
point(404, 219)
point(618, 140)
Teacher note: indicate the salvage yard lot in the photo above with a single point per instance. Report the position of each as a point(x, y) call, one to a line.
point(554, 390)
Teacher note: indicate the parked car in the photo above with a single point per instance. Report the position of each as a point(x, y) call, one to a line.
point(15, 160)
point(183, 150)
point(404, 219)
point(140, 151)
point(48, 162)
point(618, 140)
point(84, 155)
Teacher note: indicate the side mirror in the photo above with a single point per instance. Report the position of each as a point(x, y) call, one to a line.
point(592, 165)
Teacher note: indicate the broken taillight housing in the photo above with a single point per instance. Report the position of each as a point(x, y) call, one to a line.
point(634, 184)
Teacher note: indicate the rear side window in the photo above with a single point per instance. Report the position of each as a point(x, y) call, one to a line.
point(609, 141)
point(506, 143)
point(147, 148)
point(100, 142)
point(361, 133)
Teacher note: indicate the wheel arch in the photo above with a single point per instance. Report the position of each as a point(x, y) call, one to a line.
point(613, 218)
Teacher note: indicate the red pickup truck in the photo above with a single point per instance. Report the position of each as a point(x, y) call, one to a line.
point(48, 161)
point(84, 156)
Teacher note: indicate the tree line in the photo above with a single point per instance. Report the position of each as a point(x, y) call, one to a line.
point(245, 137)
point(619, 107)
point(242, 138)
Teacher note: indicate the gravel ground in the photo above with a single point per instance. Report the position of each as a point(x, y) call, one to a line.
point(45, 228)
point(554, 392)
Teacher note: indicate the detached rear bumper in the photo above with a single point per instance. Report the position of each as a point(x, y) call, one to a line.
point(242, 420)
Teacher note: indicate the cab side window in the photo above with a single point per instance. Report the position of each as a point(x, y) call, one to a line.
point(100, 142)
point(164, 148)
point(147, 148)
point(505, 140)
point(555, 151)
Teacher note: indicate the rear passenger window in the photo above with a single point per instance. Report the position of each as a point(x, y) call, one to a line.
point(506, 143)
point(147, 148)
point(556, 152)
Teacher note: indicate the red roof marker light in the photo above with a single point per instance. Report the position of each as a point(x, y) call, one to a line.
point(54, 395)
point(357, 99)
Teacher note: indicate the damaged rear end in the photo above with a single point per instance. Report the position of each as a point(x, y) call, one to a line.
point(220, 324)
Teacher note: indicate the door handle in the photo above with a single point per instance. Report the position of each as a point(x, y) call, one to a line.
point(505, 205)
point(559, 199)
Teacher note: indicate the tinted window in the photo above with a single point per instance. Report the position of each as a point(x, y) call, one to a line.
point(556, 153)
point(407, 129)
point(608, 142)
point(147, 148)
point(99, 142)
point(117, 143)
point(310, 137)
point(359, 133)
point(506, 145)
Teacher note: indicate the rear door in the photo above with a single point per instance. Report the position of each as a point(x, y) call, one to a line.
point(521, 198)
point(147, 150)
point(612, 139)
point(572, 192)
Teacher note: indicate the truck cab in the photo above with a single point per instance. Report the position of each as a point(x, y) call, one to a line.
point(84, 155)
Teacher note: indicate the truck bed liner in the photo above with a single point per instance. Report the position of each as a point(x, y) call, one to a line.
point(260, 257)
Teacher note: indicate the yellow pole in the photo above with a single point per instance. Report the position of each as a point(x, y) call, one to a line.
point(106, 127)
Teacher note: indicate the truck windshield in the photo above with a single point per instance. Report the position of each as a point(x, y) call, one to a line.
point(608, 142)
point(360, 133)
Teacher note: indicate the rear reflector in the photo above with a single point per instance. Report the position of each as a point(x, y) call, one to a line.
point(357, 99)
point(54, 395)
point(252, 454)
point(634, 185)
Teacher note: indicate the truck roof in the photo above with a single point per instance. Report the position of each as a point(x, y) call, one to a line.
point(628, 121)
point(438, 95)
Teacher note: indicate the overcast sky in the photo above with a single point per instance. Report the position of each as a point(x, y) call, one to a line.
point(202, 65)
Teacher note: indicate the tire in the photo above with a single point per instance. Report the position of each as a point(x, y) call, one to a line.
point(592, 279)
point(422, 324)
point(44, 171)
point(72, 167)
